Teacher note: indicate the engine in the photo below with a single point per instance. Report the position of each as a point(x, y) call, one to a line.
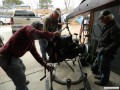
point(61, 48)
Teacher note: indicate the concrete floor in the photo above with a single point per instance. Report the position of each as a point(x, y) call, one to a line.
point(34, 72)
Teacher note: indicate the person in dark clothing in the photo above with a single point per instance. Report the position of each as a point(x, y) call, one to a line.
point(21, 42)
point(108, 44)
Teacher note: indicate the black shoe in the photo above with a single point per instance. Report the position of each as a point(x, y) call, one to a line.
point(97, 77)
point(27, 82)
point(100, 83)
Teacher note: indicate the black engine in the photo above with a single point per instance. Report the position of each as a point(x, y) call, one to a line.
point(61, 48)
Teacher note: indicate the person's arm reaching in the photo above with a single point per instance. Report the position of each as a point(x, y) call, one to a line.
point(38, 57)
point(37, 34)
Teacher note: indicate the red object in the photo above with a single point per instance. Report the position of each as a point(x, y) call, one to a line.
point(23, 41)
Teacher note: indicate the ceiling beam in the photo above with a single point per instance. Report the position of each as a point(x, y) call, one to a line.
point(92, 5)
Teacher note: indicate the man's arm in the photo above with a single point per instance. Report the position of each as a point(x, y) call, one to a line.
point(42, 34)
point(37, 34)
point(36, 55)
point(38, 58)
point(115, 37)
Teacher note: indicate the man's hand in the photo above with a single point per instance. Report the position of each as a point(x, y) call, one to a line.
point(56, 33)
point(48, 67)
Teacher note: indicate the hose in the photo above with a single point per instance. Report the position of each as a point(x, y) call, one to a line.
point(92, 44)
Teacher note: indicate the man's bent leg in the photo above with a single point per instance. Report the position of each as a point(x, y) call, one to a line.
point(16, 73)
point(105, 68)
point(23, 66)
point(24, 69)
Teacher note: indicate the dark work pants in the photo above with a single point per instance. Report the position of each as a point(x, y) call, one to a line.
point(105, 62)
point(15, 70)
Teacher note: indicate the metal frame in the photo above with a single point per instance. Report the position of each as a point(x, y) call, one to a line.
point(69, 82)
